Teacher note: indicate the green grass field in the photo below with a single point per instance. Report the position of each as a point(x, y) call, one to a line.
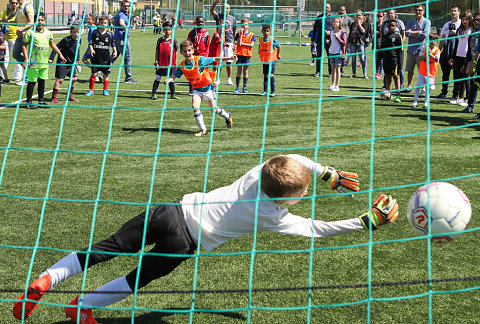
point(83, 170)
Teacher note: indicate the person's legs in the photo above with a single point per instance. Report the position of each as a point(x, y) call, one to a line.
point(128, 62)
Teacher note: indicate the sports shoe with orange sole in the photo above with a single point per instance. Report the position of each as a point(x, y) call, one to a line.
point(35, 291)
point(86, 316)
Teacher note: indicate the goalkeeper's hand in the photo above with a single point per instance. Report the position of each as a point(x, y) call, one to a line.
point(384, 211)
point(340, 180)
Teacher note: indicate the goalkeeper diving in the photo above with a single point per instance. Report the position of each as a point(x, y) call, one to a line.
point(206, 220)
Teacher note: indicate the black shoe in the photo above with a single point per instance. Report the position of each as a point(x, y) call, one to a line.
point(476, 117)
point(28, 105)
point(6, 81)
point(468, 110)
point(43, 104)
point(441, 96)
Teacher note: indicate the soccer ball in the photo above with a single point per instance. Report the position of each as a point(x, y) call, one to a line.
point(385, 95)
point(446, 206)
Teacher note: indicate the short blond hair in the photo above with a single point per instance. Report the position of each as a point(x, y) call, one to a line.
point(283, 176)
point(245, 20)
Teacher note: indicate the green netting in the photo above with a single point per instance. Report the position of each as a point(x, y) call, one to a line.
point(211, 159)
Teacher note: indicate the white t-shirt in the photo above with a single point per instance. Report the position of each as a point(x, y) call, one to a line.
point(462, 47)
point(232, 211)
point(335, 47)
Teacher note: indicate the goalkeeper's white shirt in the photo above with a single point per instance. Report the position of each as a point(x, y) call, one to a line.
point(230, 211)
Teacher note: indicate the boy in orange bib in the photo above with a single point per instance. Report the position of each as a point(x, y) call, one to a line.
point(245, 41)
point(202, 81)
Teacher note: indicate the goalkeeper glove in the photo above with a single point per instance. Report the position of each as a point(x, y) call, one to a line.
point(340, 180)
point(384, 211)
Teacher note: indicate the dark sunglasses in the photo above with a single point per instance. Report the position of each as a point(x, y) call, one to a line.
point(16, 3)
point(418, 10)
point(380, 16)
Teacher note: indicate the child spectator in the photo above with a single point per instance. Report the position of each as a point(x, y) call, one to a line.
point(338, 45)
point(200, 37)
point(69, 46)
point(426, 74)
point(202, 81)
point(458, 60)
point(269, 51)
point(41, 40)
point(100, 44)
point(3, 50)
point(245, 41)
point(392, 55)
point(165, 56)
point(92, 22)
point(259, 200)
point(214, 50)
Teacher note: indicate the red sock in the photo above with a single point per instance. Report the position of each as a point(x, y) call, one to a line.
point(54, 94)
point(92, 82)
point(71, 92)
point(105, 85)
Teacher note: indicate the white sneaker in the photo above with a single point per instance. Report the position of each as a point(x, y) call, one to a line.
point(336, 89)
point(463, 103)
point(414, 104)
point(455, 102)
point(229, 82)
point(331, 87)
point(21, 83)
point(425, 105)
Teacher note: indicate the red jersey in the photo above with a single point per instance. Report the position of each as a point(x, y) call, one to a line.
point(201, 40)
point(162, 53)
point(215, 45)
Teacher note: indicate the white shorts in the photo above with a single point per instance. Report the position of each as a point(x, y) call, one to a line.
point(227, 51)
point(206, 95)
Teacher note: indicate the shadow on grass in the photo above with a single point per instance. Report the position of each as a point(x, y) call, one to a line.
point(461, 120)
point(157, 317)
point(165, 130)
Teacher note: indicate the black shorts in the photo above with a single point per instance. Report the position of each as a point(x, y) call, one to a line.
point(166, 228)
point(265, 68)
point(163, 72)
point(62, 71)
point(104, 69)
point(392, 67)
point(243, 59)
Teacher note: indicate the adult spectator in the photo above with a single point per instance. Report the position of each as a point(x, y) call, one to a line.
point(25, 19)
point(9, 16)
point(416, 30)
point(378, 35)
point(446, 46)
point(473, 55)
point(358, 40)
point(155, 22)
point(346, 22)
point(122, 43)
point(229, 31)
point(321, 32)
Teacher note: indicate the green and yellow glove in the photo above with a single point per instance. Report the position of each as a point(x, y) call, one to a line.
point(384, 211)
point(340, 180)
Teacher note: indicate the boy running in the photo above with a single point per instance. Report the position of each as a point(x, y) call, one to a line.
point(100, 44)
point(202, 82)
point(245, 41)
point(165, 56)
point(269, 51)
point(71, 52)
point(41, 39)
point(257, 200)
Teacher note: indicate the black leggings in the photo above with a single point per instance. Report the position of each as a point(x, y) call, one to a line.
point(166, 229)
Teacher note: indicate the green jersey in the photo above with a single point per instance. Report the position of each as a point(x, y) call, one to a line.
point(41, 47)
